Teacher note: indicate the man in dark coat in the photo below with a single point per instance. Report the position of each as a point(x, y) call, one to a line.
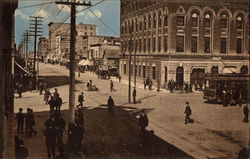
point(52, 105)
point(50, 122)
point(245, 112)
point(60, 124)
point(19, 90)
point(31, 122)
point(188, 112)
point(21, 152)
point(20, 120)
point(27, 121)
point(143, 121)
point(50, 134)
point(111, 86)
point(134, 96)
point(110, 104)
point(81, 99)
point(58, 103)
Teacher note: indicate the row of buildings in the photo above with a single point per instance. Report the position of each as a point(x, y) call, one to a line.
point(168, 40)
point(88, 45)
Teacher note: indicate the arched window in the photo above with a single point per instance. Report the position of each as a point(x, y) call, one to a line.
point(149, 22)
point(194, 19)
point(145, 23)
point(154, 20)
point(159, 19)
point(207, 20)
point(239, 22)
point(224, 20)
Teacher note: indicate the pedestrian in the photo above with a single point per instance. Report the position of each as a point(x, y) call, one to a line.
point(120, 78)
point(60, 124)
point(47, 94)
point(62, 154)
point(27, 121)
point(50, 140)
point(134, 96)
point(20, 90)
point(31, 123)
point(79, 130)
point(245, 112)
point(111, 86)
point(145, 84)
point(188, 112)
point(52, 105)
point(55, 94)
point(81, 99)
point(21, 152)
point(58, 103)
point(158, 87)
point(41, 88)
point(88, 86)
point(143, 121)
point(20, 120)
point(79, 73)
point(110, 104)
point(150, 84)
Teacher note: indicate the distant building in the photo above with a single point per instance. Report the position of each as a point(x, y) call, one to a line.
point(59, 39)
point(106, 52)
point(182, 40)
point(43, 47)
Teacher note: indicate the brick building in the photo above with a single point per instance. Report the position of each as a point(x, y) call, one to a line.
point(43, 47)
point(59, 39)
point(182, 40)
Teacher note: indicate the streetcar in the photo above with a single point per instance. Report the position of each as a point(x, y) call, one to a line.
point(235, 86)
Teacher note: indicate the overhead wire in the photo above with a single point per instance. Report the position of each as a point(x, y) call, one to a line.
point(103, 22)
point(66, 18)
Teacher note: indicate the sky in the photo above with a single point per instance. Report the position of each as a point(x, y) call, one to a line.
point(107, 12)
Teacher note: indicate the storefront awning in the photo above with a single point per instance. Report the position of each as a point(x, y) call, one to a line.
point(21, 68)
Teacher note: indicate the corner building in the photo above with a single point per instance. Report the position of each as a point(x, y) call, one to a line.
point(182, 40)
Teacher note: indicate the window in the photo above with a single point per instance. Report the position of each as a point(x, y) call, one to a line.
point(159, 19)
point(144, 71)
point(223, 23)
point(149, 43)
point(223, 45)
point(165, 20)
point(139, 45)
point(154, 20)
point(207, 21)
point(207, 45)
point(145, 23)
point(166, 43)
point(153, 73)
point(153, 44)
point(238, 47)
point(180, 20)
point(124, 68)
point(194, 44)
point(159, 44)
point(145, 44)
point(180, 44)
point(149, 22)
point(194, 20)
point(239, 23)
point(139, 74)
point(166, 74)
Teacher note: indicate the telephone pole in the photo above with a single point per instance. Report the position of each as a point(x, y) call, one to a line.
point(129, 65)
point(34, 30)
point(26, 47)
point(73, 4)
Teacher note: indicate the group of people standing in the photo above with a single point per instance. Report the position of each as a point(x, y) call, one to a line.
point(55, 102)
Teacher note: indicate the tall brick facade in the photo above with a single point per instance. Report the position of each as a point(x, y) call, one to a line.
point(182, 40)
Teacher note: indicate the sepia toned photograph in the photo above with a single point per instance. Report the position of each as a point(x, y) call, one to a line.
point(124, 79)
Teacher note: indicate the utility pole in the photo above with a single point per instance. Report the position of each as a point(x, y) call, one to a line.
point(73, 4)
point(27, 49)
point(34, 30)
point(129, 65)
